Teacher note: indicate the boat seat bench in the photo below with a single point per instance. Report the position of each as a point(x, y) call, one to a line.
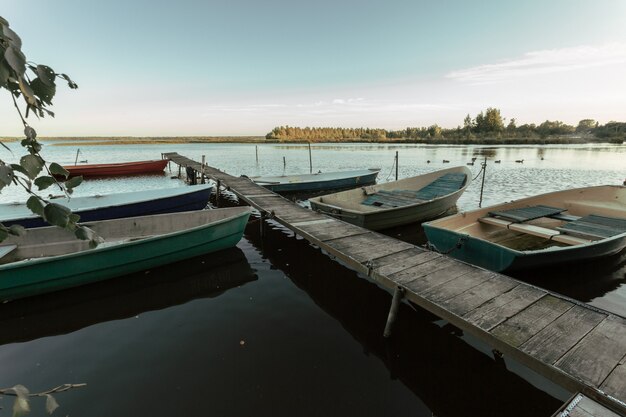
point(539, 231)
point(594, 227)
point(444, 185)
point(6, 249)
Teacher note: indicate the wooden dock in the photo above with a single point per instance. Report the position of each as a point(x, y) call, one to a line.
point(577, 346)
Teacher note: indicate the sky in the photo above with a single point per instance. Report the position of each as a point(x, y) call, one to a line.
point(242, 67)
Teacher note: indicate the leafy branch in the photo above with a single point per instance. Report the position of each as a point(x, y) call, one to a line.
point(21, 405)
point(35, 85)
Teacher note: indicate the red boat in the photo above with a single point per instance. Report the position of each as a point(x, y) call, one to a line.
point(119, 169)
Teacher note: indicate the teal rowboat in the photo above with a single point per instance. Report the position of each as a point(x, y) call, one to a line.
point(50, 259)
point(545, 230)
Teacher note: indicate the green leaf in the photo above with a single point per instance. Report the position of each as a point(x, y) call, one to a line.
point(46, 74)
point(56, 214)
point(73, 182)
point(16, 60)
point(30, 133)
point(42, 90)
point(44, 182)
point(33, 165)
point(35, 205)
point(4, 232)
point(74, 218)
point(56, 169)
point(85, 233)
point(8, 32)
point(6, 175)
point(17, 230)
point(19, 168)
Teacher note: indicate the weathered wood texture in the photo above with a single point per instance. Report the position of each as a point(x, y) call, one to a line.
point(573, 344)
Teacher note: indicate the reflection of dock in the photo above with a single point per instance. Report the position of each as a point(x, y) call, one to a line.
point(573, 344)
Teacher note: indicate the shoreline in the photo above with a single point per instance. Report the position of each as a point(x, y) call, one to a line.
point(126, 140)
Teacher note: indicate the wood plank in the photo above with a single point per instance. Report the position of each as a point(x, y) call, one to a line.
point(521, 327)
point(478, 295)
point(410, 262)
point(331, 233)
point(439, 277)
point(366, 254)
point(598, 353)
point(615, 383)
point(458, 285)
point(396, 258)
point(311, 222)
point(561, 335)
point(370, 238)
point(498, 309)
point(424, 268)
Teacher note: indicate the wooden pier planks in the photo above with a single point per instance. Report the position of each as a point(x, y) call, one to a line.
point(574, 345)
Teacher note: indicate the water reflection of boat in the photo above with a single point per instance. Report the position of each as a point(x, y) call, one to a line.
point(174, 284)
point(549, 229)
point(399, 202)
point(29, 267)
point(116, 206)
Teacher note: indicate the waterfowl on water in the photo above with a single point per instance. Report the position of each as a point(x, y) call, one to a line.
point(445, 161)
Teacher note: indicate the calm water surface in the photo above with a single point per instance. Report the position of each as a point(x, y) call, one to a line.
point(273, 327)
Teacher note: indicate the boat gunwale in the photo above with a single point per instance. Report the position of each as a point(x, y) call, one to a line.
point(372, 171)
point(317, 201)
point(245, 211)
point(200, 188)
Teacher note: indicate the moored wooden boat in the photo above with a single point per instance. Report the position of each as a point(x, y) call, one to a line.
point(545, 230)
point(399, 202)
point(321, 181)
point(117, 169)
point(117, 205)
point(50, 258)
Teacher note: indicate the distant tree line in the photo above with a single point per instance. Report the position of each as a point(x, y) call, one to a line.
point(486, 125)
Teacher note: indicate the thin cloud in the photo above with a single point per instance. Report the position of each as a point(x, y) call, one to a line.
point(543, 62)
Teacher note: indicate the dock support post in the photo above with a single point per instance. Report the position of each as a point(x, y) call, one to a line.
point(256, 149)
point(310, 160)
point(217, 193)
point(202, 170)
point(396, 165)
point(482, 185)
point(393, 310)
point(284, 163)
point(262, 223)
point(179, 171)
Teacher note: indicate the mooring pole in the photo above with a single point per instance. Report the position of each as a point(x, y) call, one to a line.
point(262, 224)
point(202, 170)
point(217, 193)
point(256, 149)
point(396, 165)
point(393, 310)
point(284, 163)
point(77, 152)
point(482, 185)
point(310, 160)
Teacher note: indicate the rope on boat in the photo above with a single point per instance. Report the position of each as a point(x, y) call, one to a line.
point(482, 167)
point(458, 245)
point(391, 170)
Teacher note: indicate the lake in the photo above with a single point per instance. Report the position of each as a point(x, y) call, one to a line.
point(273, 327)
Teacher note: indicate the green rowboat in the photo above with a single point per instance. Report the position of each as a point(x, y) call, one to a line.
point(50, 259)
